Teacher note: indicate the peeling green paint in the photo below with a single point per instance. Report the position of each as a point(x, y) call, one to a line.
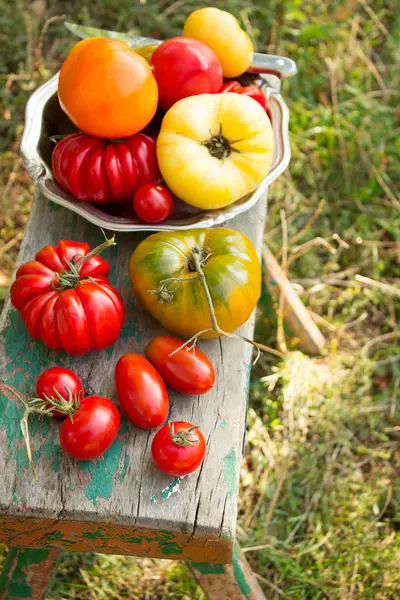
point(230, 472)
point(223, 424)
point(168, 491)
point(207, 568)
point(239, 573)
point(124, 468)
point(171, 548)
point(102, 472)
point(26, 358)
point(92, 535)
point(14, 578)
point(54, 207)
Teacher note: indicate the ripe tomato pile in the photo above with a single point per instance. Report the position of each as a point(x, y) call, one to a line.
point(214, 145)
point(215, 141)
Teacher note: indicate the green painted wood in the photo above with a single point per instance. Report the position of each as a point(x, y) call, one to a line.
point(231, 582)
point(26, 573)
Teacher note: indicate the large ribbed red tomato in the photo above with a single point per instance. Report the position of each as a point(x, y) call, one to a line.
point(97, 170)
point(66, 300)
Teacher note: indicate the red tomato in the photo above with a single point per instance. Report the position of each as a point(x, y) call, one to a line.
point(95, 170)
point(185, 67)
point(87, 314)
point(178, 448)
point(93, 429)
point(141, 391)
point(152, 203)
point(253, 91)
point(57, 379)
point(187, 371)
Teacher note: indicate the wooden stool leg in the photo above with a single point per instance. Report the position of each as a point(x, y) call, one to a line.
point(234, 582)
point(26, 573)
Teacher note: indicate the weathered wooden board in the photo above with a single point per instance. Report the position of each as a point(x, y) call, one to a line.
point(120, 503)
point(27, 573)
point(233, 582)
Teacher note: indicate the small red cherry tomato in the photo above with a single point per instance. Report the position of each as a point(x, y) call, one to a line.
point(178, 448)
point(141, 391)
point(231, 86)
point(253, 91)
point(187, 371)
point(152, 203)
point(92, 430)
point(56, 382)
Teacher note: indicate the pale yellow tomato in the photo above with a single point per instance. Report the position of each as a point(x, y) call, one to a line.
point(220, 31)
point(215, 148)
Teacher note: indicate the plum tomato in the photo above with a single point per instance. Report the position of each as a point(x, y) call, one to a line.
point(152, 203)
point(185, 67)
point(178, 448)
point(59, 382)
point(187, 371)
point(92, 428)
point(141, 391)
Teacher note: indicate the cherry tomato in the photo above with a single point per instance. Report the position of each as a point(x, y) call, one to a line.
point(187, 371)
point(178, 448)
point(92, 430)
point(63, 381)
point(248, 90)
point(152, 203)
point(253, 91)
point(141, 391)
point(185, 67)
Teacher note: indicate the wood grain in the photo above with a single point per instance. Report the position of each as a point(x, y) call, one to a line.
point(123, 488)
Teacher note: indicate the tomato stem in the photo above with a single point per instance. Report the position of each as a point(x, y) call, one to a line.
point(40, 407)
point(70, 279)
point(181, 437)
point(219, 146)
point(196, 261)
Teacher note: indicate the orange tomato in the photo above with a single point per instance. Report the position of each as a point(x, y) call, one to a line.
point(107, 89)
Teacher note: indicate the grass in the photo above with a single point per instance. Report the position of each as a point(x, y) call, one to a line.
point(319, 513)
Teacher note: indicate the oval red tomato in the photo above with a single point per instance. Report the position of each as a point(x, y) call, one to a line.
point(63, 381)
point(185, 67)
point(95, 170)
point(93, 429)
point(152, 203)
point(86, 314)
point(141, 391)
point(187, 371)
point(178, 448)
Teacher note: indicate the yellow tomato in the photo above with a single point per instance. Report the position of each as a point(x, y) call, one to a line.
point(220, 31)
point(215, 148)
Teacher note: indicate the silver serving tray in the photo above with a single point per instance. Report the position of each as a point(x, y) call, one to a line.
point(45, 118)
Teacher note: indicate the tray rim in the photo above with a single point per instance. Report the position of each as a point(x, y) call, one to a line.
point(42, 174)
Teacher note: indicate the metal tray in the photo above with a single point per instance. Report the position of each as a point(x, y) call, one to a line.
point(45, 118)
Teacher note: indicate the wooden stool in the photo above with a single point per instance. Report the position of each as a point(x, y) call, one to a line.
point(120, 504)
